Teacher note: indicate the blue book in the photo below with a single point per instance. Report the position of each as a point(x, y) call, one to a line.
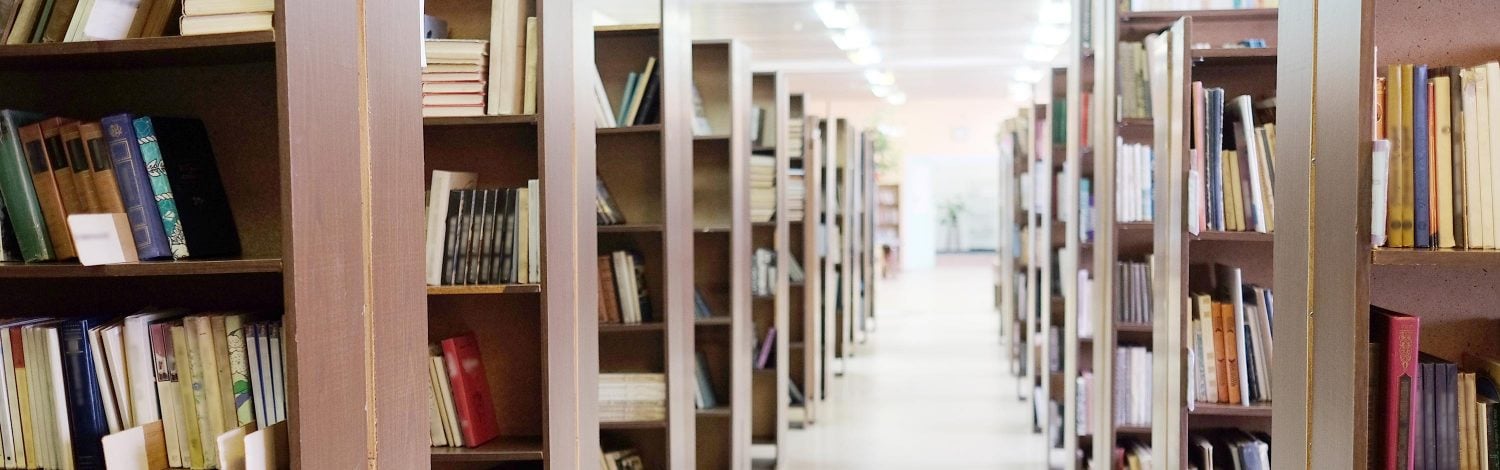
point(625, 99)
point(1420, 142)
point(86, 421)
point(135, 187)
point(161, 187)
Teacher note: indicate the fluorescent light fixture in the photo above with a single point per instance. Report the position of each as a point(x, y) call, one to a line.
point(1027, 75)
point(1054, 12)
point(865, 57)
point(836, 17)
point(1050, 35)
point(882, 91)
point(897, 99)
point(878, 77)
point(1039, 53)
point(851, 39)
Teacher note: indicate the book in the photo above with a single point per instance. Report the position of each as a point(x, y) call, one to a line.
point(78, 164)
point(767, 349)
point(19, 191)
point(106, 187)
point(633, 117)
point(204, 217)
point(532, 66)
point(471, 392)
point(139, 448)
point(226, 23)
point(1442, 145)
point(58, 15)
point(705, 397)
point(507, 48)
point(608, 212)
point(609, 302)
point(1380, 161)
point(441, 190)
point(136, 191)
point(19, 29)
point(1400, 334)
point(1420, 144)
point(219, 7)
point(87, 422)
point(445, 393)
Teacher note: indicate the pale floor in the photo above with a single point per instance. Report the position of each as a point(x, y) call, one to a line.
point(929, 389)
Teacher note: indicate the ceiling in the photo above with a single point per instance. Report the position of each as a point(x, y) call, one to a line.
point(936, 49)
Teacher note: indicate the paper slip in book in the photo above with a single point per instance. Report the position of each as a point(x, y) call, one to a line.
point(103, 238)
point(267, 449)
point(138, 448)
point(232, 447)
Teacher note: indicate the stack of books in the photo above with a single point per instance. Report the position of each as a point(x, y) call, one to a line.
point(177, 209)
point(627, 459)
point(1134, 179)
point(796, 193)
point(1133, 297)
point(1160, 5)
point(453, 79)
point(460, 405)
point(762, 187)
point(1231, 346)
point(217, 16)
point(632, 397)
point(1231, 170)
point(1132, 390)
point(763, 273)
point(1084, 414)
point(640, 100)
point(1252, 451)
point(623, 297)
point(794, 138)
point(482, 236)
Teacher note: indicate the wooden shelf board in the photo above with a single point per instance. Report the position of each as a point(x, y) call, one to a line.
point(1242, 55)
point(650, 28)
point(1256, 237)
point(1136, 123)
point(718, 412)
point(1133, 328)
point(228, 48)
point(710, 138)
point(1172, 15)
point(1132, 431)
point(661, 424)
point(516, 120)
point(645, 129)
point(632, 328)
point(631, 228)
point(1134, 226)
point(712, 229)
point(141, 269)
point(714, 321)
point(1216, 409)
point(485, 290)
point(502, 449)
point(1444, 258)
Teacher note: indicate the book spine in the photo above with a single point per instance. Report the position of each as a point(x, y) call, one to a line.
point(451, 237)
point(1400, 389)
point(22, 206)
point(1420, 147)
point(471, 393)
point(135, 188)
point(85, 407)
point(105, 187)
point(83, 174)
point(239, 365)
point(161, 187)
point(23, 393)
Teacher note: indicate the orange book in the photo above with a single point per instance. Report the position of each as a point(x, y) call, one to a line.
point(47, 194)
point(83, 175)
point(1231, 353)
point(62, 169)
point(105, 187)
point(1220, 352)
point(609, 303)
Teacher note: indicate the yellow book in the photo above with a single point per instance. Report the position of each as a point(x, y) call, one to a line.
point(1408, 171)
point(1485, 190)
point(1473, 217)
point(1235, 192)
point(23, 395)
point(1393, 114)
point(187, 409)
point(1492, 205)
point(204, 389)
point(1441, 98)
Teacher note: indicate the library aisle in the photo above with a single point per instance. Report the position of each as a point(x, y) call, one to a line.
point(929, 388)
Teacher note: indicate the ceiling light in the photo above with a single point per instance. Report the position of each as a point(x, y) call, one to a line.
point(866, 56)
point(1027, 75)
point(878, 77)
point(882, 91)
point(836, 17)
point(1050, 35)
point(851, 39)
point(1055, 13)
point(1040, 53)
point(897, 99)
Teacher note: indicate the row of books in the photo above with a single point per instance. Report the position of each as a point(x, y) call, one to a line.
point(624, 459)
point(1132, 390)
point(1432, 161)
point(1131, 454)
point(1161, 5)
point(53, 21)
point(623, 297)
point(632, 397)
point(482, 236)
point(796, 194)
point(1231, 352)
point(762, 187)
point(1134, 100)
point(1232, 172)
point(1134, 181)
point(763, 273)
point(1230, 448)
point(157, 171)
point(704, 398)
point(67, 384)
point(1133, 292)
point(640, 100)
point(460, 406)
point(607, 212)
point(1086, 210)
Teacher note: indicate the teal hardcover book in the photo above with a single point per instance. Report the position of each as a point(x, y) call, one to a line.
point(156, 169)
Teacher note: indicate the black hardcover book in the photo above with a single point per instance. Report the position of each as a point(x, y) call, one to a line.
point(489, 222)
point(639, 263)
point(512, 235)
point(1425, 438)
point(202, 206)
point(609, 212)
point(86, 420)
point(450, 237)
point(461, 240)
point(651, 102)
point(498, 237)
point(1449, 432)
point(475, 222)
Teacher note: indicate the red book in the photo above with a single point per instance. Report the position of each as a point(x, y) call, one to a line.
point(1400, 333)
point(471, 390)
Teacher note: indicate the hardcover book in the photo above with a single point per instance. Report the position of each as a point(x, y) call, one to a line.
point(135, 188)
point(471, 390)
point(54, 210)
point(185, 176)
point(1401, 335)
point(22, 206)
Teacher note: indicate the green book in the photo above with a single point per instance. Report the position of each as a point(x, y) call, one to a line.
point(156, 169)
point(239, 369)
point(17, 191)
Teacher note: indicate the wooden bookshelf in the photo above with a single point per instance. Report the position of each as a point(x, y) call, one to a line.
point(1077, 255)
point(648, 170)
point(840, 264)
point(886, 234)
point(722, 249)
point(1049, 239)
point(804, 299)
point(1015, 143)
point(865, 249)
point(770, 398)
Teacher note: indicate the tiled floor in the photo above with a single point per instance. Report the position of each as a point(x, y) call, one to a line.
point(929, 389)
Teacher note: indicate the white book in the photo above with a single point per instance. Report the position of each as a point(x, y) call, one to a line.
point(12, 401)
point(452, 111)
point(75, 24)
point(267, 448)
point(443, 184)
point(624, 288)
point(1481, 121)
point(1492, 70)
point(172, 424)
point(1473, 217)
point(1252, 159)
point(507, 32)
point(452, 99)
point(533, 55)
point(455, 50)
point(436, 436)
point(139, 363)
point(278, 376)
point(257, 366)
point(604, 111)
point(219, 7)
point(62, 437)
point(453, 87)
point(1380, 167)
point(108, 20)
point(453, 68)
point(8, 433)
point(230, 23)
point(41, 408)
point(535, 237)
point(102, 382)
point(455, 437)
point(114, 356)
point(1210, 356)
point(137, 448)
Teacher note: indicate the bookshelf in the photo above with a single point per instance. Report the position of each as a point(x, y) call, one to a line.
point(1015, 216)
point(886, 235)
point(1051, 246)
point(1324, 362)
point(839, 180)
point(867, 251)
point(721, 232)
point(1077, 260)
point(829, 254)
point(649, 170)
point(531, 335)
point(1037, 251)
point(805, 298)
point(770, 394)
